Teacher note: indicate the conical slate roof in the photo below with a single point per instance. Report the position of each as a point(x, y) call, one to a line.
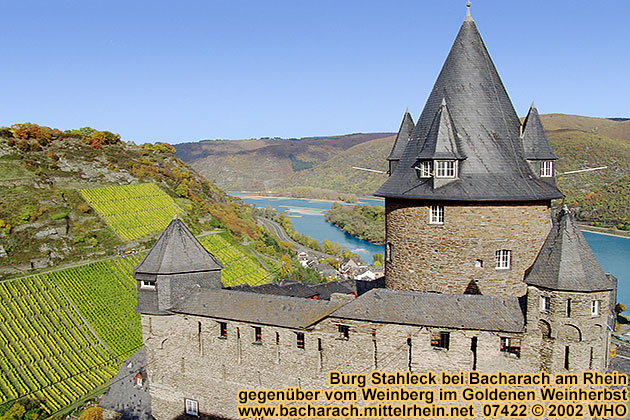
point(566, 261)
point(441, 142)
point(487, 129)
point(535, 142)
point(406, 128)
point(177, 251)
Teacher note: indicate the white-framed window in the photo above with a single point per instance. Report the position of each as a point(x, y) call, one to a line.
point(503, 257)
point(147, 284)
point(191, 407)
point(425, 169)
point(595, 308)
point(545, 304)
point(437, 215)
point(511, 345)
point(546, 168)
point(445, 168)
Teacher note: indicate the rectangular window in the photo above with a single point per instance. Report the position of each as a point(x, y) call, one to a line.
point(445, 169)
point(546, 168)
point(344, 332)
point(389, 251)
point(147, 284)
point(437, 215)
point(440, 339)
point(299, 340)
point(545, 304)
point(222, 329)
point(191, 407)
point(595, 308)
point(503, 259)
point(425, 169)
point(511, 345)
point(257, 335)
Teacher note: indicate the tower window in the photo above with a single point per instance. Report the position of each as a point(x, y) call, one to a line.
point(223, 330)
point(445, 168)
point(344, 332)
point(424, 169)
point(595, 308)
point(546, 168)
point(191, 407)
point(511, 345)
point(299, 337)
point(437, 215)
point(568, 308)
point(147, 284)
point(503, 257)
point(257, 335)
point(440, 339)
point(545, 304)
point(389, 252)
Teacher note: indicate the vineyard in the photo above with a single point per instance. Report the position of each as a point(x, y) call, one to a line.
point(132, 211)
point(237, 267)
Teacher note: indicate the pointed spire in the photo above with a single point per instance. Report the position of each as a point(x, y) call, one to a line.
point(441, 142)
point(536, 145)
point(404, 133)
point(468, 15)
point(177, 251)
point(566, 261)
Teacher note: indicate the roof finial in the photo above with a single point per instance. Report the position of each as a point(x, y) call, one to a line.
point(468, 16)
point(175, 216)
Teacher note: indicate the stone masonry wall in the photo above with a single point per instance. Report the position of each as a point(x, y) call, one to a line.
point(447, 257)
point(187, 359)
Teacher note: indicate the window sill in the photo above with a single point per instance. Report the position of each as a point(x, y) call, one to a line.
point(503, 268)
point(341, 339)
point(437, 348)
point(437, 223)
point(222, 338)
point(257, 343)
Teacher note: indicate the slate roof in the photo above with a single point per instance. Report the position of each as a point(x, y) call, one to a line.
point(177, 251)
point(324, 290)
point(566, 261)
point(441, 142)
point(134, 403)
point(283, 311)
point(487, 129)
point(535, 142)
point(283, 288)
point(404, 132)
point(474, 312)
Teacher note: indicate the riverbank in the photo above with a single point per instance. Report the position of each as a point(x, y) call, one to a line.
point(605, 231)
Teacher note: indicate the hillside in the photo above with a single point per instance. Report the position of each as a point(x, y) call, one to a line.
point(46, 218)
point(256, 165)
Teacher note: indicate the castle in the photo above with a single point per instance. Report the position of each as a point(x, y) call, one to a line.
point(479, 274)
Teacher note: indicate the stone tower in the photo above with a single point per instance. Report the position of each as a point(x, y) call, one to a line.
point(468, 203)
point(570, 300)
point(176, 265)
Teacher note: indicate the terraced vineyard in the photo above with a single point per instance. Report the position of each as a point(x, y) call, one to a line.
point(132, 211)
point(237, 267)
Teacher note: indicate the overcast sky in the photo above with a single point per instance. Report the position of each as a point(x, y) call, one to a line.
point(190, 70)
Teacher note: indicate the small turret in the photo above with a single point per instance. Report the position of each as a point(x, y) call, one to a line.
point(176, 265)
point(404, 133)
point(536, 147)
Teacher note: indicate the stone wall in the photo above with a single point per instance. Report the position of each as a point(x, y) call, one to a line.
point(448, 257)
point(186, 358)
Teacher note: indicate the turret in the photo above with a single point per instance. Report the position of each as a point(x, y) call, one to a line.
point(402, 138)
point(176, 265)
point(537, 148)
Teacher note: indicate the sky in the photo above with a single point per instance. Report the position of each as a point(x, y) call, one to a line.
point(189, 70)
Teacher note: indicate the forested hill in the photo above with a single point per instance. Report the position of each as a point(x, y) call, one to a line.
point(600, 197)
point(48, 196)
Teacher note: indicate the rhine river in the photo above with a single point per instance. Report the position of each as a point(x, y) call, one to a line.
point(307, 216)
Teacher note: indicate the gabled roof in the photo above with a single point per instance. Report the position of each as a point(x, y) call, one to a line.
point(487, 128)
point(566, 261)
point(441, 142)
point(282, 311)
point(404, 132)
point(177, 251)
point(535, 142)
point(473, 312)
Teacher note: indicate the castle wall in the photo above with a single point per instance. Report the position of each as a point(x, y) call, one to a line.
point(444, 257)
point(586, 336)
point(187, 359)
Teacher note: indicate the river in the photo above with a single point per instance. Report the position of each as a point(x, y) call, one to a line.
point(307, 216)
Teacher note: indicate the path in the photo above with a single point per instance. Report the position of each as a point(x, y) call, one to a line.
point(277, 230)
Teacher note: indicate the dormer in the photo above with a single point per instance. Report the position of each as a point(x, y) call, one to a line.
point(402, 138)
point(536, 147)
point(440, 156)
